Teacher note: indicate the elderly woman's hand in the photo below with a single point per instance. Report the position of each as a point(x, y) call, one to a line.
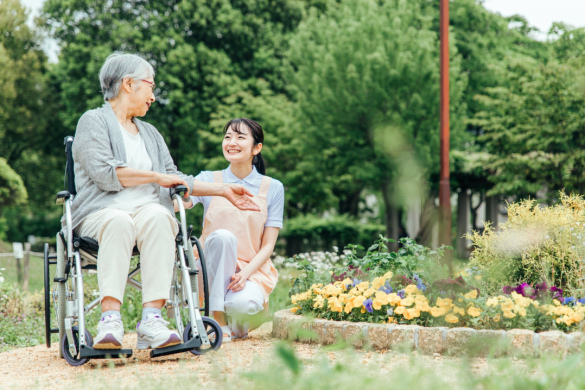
point(240, 197)
point(167, 181)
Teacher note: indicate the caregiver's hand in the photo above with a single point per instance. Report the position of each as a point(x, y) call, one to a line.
point(238, 282)
point(240, 197)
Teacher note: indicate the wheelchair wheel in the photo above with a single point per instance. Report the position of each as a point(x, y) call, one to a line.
point(195, 241)
point(73, 360)
point(61, 309)
point(214, 333)
point(47, 298)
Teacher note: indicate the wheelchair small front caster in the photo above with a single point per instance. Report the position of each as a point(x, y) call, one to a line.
point(73, 360)
point(214, 333)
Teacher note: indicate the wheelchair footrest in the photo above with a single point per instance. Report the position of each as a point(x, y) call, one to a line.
point(88, 352)
point(185, 347)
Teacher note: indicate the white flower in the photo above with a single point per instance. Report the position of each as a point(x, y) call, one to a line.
point(1, 279)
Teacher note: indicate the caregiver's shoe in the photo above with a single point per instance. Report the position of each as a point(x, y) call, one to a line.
point(154, 333)
point(110, 333)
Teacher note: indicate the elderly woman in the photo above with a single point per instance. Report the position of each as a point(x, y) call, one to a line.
point(122, 171)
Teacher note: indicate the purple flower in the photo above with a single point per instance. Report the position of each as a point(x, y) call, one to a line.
point(581, 301)
point(569, 301)
point(387, 288)
point(508, 290)
point(557, 293)
point(524, 289)
point(356, 281)
point(368, 305)
point(401, 294)
point(419, 284)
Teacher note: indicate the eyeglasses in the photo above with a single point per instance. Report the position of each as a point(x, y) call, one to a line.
point(152, 84)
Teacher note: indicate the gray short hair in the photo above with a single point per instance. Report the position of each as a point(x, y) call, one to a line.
point(117, 67)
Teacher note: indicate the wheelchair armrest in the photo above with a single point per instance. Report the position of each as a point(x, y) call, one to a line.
point(62, 196)
point(180, 189)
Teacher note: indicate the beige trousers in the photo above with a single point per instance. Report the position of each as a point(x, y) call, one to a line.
point(152, 229)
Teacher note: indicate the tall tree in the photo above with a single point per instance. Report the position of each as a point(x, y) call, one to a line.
point(366, 80)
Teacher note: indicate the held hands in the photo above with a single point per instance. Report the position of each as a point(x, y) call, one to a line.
point(238, 282)
point(167, 181)
point(240, 197)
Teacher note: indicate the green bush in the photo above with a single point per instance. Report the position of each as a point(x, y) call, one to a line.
point(536, 244)
point(318, 233)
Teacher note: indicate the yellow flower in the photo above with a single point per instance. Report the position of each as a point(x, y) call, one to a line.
point(559, 320)
point(388, 275)
point(471, 295)
point(437, 311)
point(409, 314)
point(363, 286)
point(474, 311)
point(451, 318)
point(507, 306)
point(382, 297)
point(377, 303)
point(410, 289)
point(319, 301)
point(348, 307)
point(400, 310)
point(422, 306)
point(343, 298)
point(332, 290)
point(492, 302)
point(294, 309)
point(556, 302)
point(369, 292)
point(497, 318)
point(445, 303)
point(378, 282)
point(520, 310)
point(407, 301)
point(509, 314)
point(358, 301)
point(347, 281)
point(335, 305)
point(458, 310)
point(535, 303)
point(477, 277)
point(568, 320)
point(394, 299)
point(390, 320)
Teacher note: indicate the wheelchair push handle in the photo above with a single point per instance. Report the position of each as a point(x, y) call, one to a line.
point(180, 189)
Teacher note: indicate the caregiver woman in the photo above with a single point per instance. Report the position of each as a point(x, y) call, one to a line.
point(238, 243)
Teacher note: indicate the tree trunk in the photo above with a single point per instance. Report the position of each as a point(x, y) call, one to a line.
point(462, 223)
point(491, 210)
point(27, 246)
point(429, 220)
point(349, 204)
point(391, 217)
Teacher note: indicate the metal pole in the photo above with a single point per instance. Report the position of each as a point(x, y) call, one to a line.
point(444, 186)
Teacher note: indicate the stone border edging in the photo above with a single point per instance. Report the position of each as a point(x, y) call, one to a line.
point(429, 341)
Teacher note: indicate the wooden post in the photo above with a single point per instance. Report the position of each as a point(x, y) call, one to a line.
point(26, 265)
point(444, 184)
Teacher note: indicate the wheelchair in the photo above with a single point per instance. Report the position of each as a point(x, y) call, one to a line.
point(65, 292)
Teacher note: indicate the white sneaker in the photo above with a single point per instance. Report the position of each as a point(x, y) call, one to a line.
point(110, 333)
point(154, 333)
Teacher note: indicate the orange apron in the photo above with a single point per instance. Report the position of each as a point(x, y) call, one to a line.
point(248, 227)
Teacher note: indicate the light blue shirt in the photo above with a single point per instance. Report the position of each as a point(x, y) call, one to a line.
point(275, 196)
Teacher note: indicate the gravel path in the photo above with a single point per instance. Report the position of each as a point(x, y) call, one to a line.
point(39, 367)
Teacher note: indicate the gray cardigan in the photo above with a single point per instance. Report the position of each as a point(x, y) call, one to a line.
point(98, 149)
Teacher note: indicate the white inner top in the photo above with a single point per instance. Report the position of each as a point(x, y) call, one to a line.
point(130, 198)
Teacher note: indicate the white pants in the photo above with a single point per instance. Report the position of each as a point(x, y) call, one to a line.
point(244, 308)
point(153, 229)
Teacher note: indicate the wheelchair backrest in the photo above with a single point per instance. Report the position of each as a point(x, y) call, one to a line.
point(69, 181)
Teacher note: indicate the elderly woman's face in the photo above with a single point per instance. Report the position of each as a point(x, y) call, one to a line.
point(142, 96)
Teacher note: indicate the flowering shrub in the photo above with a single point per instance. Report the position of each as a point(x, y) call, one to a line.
point(535, 244)
point(379, 301)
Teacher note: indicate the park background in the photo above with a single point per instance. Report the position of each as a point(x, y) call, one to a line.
point(348, 94)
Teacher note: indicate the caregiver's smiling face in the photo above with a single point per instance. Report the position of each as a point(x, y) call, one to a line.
point(238, 147)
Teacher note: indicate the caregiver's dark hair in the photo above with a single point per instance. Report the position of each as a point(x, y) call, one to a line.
point(257, 133)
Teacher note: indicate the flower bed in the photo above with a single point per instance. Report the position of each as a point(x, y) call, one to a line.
point(375, 301)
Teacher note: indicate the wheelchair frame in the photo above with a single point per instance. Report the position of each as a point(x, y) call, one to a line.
point(75, 342)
